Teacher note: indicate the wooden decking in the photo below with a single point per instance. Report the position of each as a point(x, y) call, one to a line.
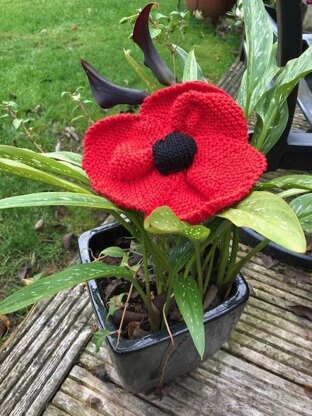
point(50, 367)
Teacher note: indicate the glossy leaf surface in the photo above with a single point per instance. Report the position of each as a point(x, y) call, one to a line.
point(70, 157)
point(190, 72)
point(182, 54)
point(272, 106)
point(57, 198)
point(53, 284)
point(141, 36)
point(190, 305)
point(42, 162)
point(270, 216)
point(107, 94)
point(302, 207)
point(20, 169)
point(163, 221)
point(259, 45)
point(288, 182)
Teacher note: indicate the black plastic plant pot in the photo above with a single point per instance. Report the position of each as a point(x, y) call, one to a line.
point(143, 363)
point(251, 238)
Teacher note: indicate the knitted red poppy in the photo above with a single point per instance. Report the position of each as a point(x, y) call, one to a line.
point(187, 149)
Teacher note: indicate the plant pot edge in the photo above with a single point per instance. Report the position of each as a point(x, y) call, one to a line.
point(226, 314)
point(252, 238)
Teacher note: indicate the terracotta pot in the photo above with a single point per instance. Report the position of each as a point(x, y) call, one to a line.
point(211, 8)
point(140, 363)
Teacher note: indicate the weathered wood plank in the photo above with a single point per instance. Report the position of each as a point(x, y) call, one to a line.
point(54, 411)
point(261, 354)
point(102, 397)
point(292, 322)
point(71, 406)
point(246, 374)
point(300, 342)
point(30, 381)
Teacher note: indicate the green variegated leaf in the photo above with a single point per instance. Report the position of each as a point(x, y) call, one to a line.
point(163, 221)
point(190, 305)
point(57, 282)
point(70, 157)
point(261, 63)
point(190, 72)
point(272, 108)
point(12, 167)
point(58, 198)
point(182, 54)
point(270, 216)
point(302, 207)
point(271, 121)
point(288, 182)
point(42, 162)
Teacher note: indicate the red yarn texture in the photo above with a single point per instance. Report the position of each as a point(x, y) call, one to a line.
point(118, 155)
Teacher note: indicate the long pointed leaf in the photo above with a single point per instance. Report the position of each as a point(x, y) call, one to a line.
point(20, 169)
point(58, 198)
point(189, 302)
point(259, 45)
point(141, 36)
point(150, 84)
point(107, 94)
point(182, 54)
point(42, 162)
point(70, 157)
point(270, 216)
point(190, 72)
point(53, 284)
point(288, 182)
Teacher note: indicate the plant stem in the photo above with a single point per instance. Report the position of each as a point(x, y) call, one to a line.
point(209, 261)
point(199, 269)
point(224, 257)
point(234, 249)
point(145, 269)
point(239, 265)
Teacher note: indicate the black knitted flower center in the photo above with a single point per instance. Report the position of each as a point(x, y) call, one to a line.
point(174, 153)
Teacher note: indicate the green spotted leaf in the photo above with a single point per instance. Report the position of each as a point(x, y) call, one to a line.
point(190, 305)
point(41, 199)
point(270, 216)
point(302, 207)
point(43, 163)
point(57, 282)
point(163, 221)
point(15, 168)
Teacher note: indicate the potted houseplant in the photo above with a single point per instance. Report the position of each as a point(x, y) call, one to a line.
point(180, 178)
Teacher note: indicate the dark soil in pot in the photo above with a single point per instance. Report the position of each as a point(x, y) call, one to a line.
point(151, 360)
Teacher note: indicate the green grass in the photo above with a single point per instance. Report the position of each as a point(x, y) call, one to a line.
point(41, 44)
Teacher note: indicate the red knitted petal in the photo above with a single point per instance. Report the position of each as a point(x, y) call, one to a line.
point(196, 113)
point(117, 158)
point(118, 154)
point(157, 107)
point(127, 154)
point(224, 176)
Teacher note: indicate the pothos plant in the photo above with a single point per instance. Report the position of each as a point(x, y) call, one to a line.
point(180, 176)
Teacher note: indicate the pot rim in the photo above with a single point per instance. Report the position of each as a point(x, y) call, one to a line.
point(239, 297)
point(251, 237)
